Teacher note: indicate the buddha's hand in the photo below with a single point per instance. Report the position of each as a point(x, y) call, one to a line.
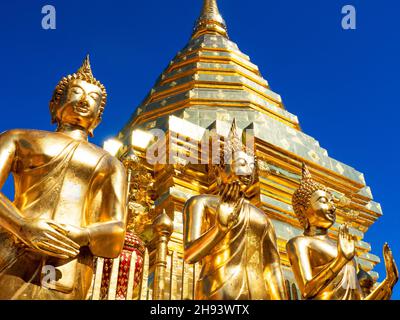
point(346, 243)
point(392, 273)
point(78, 235)
point(229, 208)
point(44, 237)
point(231, 193)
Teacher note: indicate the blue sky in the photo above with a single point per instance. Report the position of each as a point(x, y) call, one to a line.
point(343, 85)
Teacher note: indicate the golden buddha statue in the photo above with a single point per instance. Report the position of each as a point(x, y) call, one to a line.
point(70, 198)
point(234, 240)
point(366, 281)
point(324, 269)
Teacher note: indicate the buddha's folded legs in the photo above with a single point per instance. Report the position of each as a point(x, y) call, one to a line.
point(21, 279)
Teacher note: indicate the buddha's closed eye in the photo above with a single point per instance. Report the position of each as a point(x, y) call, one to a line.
point(95, 96)
point(77, 90)
point(323, 200)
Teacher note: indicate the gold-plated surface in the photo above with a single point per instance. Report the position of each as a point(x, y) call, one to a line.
point(210, 20)
point(366, 282)
point(141, 192)
point(234, 240)
point(207, 84)
point(163, 227)
point(70, 198)
point(324, 269)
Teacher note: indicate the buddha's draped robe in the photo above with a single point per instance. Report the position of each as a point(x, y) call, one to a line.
point(234, 269)
point(344, 287)
point(68, 189)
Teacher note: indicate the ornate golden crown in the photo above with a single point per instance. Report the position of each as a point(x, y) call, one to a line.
point(301, 197)
point(234, 143)
point(84, 73)
point(225, 153)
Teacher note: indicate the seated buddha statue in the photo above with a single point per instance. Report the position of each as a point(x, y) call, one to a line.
point(325, 269)
point(70, 198)
point(234, 241)
point(366, 281)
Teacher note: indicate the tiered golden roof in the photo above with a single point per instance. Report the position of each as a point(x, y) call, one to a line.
point(210, 72)
point(208, 84)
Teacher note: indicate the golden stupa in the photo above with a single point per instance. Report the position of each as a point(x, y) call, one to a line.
point(207, 85)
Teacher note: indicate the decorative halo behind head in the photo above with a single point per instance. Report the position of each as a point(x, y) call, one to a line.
point(85, 74)
point(301, 197)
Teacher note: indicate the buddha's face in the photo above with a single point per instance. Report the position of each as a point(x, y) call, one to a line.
point(321, 210)
point(80, 106)
point(242, 169)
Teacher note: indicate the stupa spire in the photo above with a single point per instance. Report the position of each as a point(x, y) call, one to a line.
point(210, 20)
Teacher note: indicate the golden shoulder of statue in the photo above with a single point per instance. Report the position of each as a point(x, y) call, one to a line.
point(324, 269)
point(235, 240)
point(70, 198)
